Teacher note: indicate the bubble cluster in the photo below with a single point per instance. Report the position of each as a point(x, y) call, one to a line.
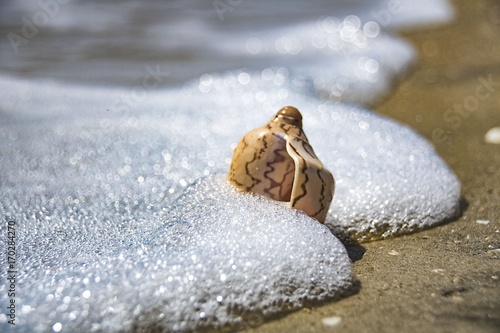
point(112, 236)
point(194, 266)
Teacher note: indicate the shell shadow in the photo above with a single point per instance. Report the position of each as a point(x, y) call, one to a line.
point(354, 250)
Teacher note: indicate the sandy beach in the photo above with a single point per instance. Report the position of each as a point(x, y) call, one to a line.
point(446, 279)
point(113, 166)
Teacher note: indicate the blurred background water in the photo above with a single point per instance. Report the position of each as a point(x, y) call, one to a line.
point(112, 42)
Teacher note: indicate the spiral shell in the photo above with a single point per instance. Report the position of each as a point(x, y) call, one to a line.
point(276, 160)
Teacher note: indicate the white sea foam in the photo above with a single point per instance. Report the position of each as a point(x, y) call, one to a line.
point(217, 258)
point(103, 237)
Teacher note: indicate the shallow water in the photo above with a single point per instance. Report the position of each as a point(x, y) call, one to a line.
point(102, 133)
point(113, 42)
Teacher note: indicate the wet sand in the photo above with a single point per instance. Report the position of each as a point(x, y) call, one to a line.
point(446, 279)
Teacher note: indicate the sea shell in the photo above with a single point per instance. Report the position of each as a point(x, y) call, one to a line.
point(276, 160)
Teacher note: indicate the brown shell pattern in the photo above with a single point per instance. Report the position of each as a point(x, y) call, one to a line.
point(276, 160)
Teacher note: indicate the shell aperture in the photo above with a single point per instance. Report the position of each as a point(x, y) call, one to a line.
point(276, 160)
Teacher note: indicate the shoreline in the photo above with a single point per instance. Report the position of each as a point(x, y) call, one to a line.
point(444, 279)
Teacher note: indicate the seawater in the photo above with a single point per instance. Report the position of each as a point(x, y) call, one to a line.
point(118, 122)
